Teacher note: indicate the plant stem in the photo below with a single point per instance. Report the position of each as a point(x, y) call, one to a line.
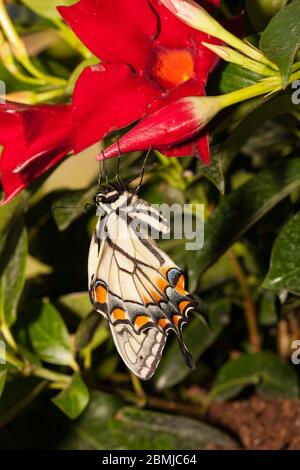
point(19, 50)
point(51, 375)
point(250, 314)
point(9, 62)
point(19, 406)
point(14, 361)
point(199, 18)
point(67, 34)
point(8, 336)
point(49, 95)
point(138, 389)
point(235, 57)
point(268, 85)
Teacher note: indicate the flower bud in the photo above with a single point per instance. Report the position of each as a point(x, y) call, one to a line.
point(168, 126)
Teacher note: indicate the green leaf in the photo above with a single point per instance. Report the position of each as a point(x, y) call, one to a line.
point(87, 328)
point(255, 115)
point(242, 124)
point(284, 271)
point(10, 218)
point(235, 77)
point(261, 11)
point(3, 375)
point(241, 209)
point(267, 309)
point(70, 205)
point(48, 334)
point(74, 398)
point(214, 171)
point(47, 8)
point(263, 370)
point(143, 429)
point(92, 431)
point(281, 39)
point(105, 424)
point(12, 280)
point(198, 337)
point(78, 303)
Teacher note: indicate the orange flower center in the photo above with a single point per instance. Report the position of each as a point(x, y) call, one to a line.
point(173, 67)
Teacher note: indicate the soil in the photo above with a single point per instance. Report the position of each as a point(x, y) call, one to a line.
point(259, 423)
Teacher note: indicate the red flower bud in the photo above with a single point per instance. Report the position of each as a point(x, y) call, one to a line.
point(165, 128)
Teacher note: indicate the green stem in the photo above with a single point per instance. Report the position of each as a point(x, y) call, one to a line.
point(8, 336)
point(19, 50)
point(71, 38)
point(296, 67)
point(199, 18)
point(265, 86)
point(12, 412)
point(10, 63)
point(230, 55)
point(14, 361)
point(49, 95)
point(51, 375)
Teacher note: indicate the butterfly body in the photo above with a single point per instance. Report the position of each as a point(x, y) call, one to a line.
point(133, 283)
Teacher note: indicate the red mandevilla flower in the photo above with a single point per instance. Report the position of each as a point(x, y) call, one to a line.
point(151, 59)
point(34, 138)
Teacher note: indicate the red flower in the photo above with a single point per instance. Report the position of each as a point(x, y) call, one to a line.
point(150, 59)
point(34, 138)
point(180, 120)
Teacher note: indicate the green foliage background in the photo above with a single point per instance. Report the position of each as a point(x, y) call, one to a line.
point(64, 385)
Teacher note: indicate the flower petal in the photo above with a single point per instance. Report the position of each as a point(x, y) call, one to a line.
point(114, 29)
point(35, 138)
point(169, 126)
point(197, 147)
point(108, 97)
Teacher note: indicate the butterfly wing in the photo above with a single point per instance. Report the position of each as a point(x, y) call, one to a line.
point(140, 290)
point(140, 352)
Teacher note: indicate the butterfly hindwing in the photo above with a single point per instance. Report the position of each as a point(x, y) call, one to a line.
point(140, 352)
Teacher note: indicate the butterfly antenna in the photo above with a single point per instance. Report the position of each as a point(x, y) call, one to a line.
point(120, 183)
point(100, 177)
point(143, 171)
point(105, 175)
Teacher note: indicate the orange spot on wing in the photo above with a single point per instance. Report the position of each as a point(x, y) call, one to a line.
point(180, 282)
point(176, 319)
point(101, 294)
point(161, 284)
point(162, 323)
point(182, 305)
point(164, 270)
point(146, 299)
point(141, 320)
point(156, 296)
point(119, 314)
point(180, 285)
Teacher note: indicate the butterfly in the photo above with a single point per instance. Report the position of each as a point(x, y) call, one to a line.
point(133, 283)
